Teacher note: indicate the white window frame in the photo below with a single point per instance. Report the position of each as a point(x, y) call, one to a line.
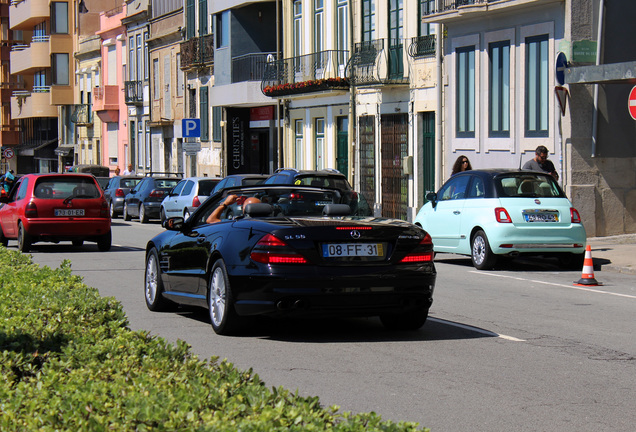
point(529, 144)
point(464, 143)
point(500, 143)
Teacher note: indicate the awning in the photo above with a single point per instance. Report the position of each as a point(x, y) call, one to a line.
point(64, 150)
point(612, 73)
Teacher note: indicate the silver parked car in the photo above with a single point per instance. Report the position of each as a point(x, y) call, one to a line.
point(186, 196)
point(116, 190)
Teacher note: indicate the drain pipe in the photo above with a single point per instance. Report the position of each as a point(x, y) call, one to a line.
point(599, 36)
point(440, 106)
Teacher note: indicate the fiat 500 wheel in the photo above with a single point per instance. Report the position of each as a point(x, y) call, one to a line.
point(481, 254)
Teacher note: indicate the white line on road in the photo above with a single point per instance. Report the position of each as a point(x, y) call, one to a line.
point(476, 329)
point(555, 284)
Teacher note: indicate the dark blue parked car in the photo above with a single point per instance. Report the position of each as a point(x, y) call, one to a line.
point(144, 200)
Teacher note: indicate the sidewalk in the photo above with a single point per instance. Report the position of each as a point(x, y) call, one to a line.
point(614, 253)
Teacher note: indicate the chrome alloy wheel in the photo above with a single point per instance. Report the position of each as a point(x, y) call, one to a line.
point(217, 298)
point(152, 275)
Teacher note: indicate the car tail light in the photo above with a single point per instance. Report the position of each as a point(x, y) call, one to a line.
point(104, 211)
point(416, 257)
point(156, 193)
point(196, 202)
point(120, 193)
point(272, 250)
point(296, 196)
point(502, 216)
point(574, 214)
point(31, 210)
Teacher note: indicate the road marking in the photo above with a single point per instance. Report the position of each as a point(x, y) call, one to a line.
point(555, 284)
point(476, 329)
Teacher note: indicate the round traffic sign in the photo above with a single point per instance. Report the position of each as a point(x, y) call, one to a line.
point(631, 103)
point(8, 153)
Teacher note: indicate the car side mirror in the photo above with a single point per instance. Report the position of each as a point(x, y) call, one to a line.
point(174, 224)
point(432, 197)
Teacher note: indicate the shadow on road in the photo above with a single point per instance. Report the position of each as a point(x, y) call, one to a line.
point(344, 330)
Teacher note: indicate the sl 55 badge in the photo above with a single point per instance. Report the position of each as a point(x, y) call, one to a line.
point(295, 237)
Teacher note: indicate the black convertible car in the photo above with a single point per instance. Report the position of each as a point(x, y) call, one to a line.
point(297, 252)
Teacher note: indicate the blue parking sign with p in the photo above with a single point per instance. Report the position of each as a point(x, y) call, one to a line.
point(191, 128)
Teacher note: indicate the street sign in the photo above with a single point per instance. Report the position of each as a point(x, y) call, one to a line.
point(562, 96)
point(631, 103)
point(561, 65)
point(191, 128)
point(191, 147)
point(8, 153)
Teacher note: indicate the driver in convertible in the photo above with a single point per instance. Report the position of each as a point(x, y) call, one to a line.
point(215, 216)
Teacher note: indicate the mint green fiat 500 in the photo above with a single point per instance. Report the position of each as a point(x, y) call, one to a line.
point(491, 213)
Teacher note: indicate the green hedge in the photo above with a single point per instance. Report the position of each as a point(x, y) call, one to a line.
point(69, 362)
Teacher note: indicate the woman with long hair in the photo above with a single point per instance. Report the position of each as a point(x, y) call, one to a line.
point(461, 164)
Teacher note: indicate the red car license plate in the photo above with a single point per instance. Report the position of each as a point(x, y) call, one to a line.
point(69, 212)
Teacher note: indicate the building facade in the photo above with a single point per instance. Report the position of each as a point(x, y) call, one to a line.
point(167, 89)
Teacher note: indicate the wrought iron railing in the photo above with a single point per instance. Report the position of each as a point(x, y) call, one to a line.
point(82, 115)
point(325, 70)
point(446, 5)
point(250, 67)
point(422, 46)
point(197, 51)
point(380, 61)
point(134, 92)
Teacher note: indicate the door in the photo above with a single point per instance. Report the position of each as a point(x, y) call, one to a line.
point(426, 178)
point(342, 145)
point(396, 44)
point(443, 222)
point(394, 147)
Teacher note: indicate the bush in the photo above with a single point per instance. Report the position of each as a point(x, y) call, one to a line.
point(69, 362)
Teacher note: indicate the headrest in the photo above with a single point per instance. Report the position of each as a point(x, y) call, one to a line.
point(258, 210)
point(336, 210)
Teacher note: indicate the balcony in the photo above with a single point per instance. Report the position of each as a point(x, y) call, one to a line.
point(82, 115)
point(10, 135)
point(27, 59)
point(317, 72)
point(26, 104)
point(25, 14)
point(250, 67)
point(106, 102)
point(134, 92)
point(197, 52)
point(422, 46)
point(380, 62)
point(443, 11)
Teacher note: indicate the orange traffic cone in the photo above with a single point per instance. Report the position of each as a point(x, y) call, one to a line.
point(587, 278)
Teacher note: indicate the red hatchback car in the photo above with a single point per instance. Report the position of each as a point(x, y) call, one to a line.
point(53, 208)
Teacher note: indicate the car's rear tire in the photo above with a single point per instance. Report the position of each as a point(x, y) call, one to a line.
point(153, 285)
point(405, 321)
point(24, 239)
point(143, 217)
point(162, 216)
point(481, 254)
point(221, 301)
point(77, 243)
point(105, 242)
point(111, 209)
point(126, 215)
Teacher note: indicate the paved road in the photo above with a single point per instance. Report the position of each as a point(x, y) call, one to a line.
point(517, 349)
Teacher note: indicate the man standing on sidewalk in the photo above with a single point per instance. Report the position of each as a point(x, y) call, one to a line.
point(540, 162)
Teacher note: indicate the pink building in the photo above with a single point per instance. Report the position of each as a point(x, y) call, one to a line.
point(108, 95)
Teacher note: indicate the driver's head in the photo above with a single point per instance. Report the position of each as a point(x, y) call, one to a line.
point(251, 200)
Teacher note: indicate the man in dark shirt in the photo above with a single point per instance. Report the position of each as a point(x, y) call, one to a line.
point(540, 162)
